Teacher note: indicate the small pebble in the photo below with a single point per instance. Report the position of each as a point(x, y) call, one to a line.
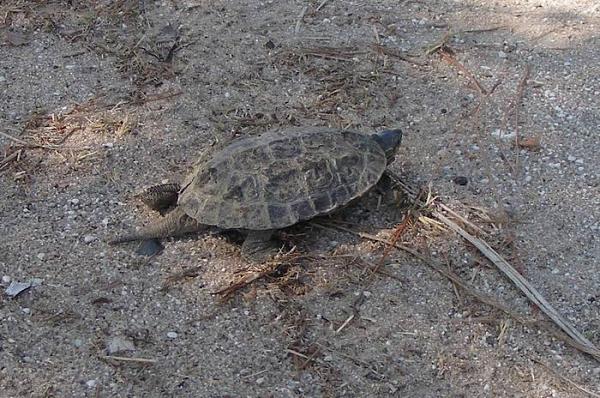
point(26, 310)
point(118, 344)
point(270, 45)
point(41, 256)
point(77, 343)
point(172, 335)
point(260, 380)
point(16, 288)
point(75, 201)
point(571, 158)
point(461, 180)
point(91, 383)
point(89, 238)
point(5, 279)
point(149, 247)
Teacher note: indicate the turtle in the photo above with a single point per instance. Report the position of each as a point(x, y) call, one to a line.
point(263, 183)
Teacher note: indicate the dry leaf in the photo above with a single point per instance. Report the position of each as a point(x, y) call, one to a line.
point(531, 143)
point(16, 38)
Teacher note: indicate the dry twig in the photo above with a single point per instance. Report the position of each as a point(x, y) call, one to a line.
point(443, 270)
point(395, 53)
point(448, 56)
point(531, 292)
point(300, 19)
point(249, 277)
point(571, 335)
point(144, 361)
point(564, 378)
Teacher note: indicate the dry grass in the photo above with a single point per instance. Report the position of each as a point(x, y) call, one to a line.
point(72, 135)
point(342, 82)
point(118, 28)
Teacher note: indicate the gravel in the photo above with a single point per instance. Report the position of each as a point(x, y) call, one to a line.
point(128, 119)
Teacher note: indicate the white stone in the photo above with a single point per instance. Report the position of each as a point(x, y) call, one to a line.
point(117, 344)
point(172, 335)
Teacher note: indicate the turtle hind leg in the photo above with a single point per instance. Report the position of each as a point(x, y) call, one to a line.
point(160, 197)
point(259, 246)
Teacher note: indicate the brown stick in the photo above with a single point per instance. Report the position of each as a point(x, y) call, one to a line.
point(440, 268)
point(448, 57)
point(516, 103)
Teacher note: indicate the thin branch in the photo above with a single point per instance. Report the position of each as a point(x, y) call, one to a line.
point(531, 292)
point(146, 361)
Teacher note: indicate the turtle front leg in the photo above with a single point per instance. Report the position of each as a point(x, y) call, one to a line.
point(161, 197)
point(259, 247)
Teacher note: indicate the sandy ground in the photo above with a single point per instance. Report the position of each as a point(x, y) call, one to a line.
point(109, 97)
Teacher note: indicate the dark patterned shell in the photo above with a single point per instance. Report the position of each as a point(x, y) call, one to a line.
point(276, 179)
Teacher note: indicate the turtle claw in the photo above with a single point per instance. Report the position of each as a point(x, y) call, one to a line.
point(149, 248)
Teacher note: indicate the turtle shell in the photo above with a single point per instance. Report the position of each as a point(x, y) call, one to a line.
point(279, 178)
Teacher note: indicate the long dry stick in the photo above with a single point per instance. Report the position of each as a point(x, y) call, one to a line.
point(449, 57)
point(145, 361)
point(300, 19)
point(395, 53)
point(322, 4)
point(442, 269)
point(520, 282)
point(516, 103)
point(571, 382)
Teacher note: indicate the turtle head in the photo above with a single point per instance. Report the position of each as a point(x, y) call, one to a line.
point(389, 141)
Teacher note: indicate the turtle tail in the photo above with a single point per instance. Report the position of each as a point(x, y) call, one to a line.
point(176, 223)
